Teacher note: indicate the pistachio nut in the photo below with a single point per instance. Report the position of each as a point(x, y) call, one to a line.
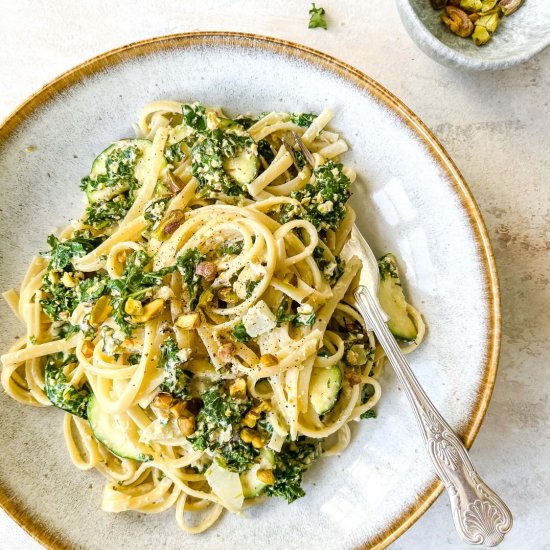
point(471, 5)
point(168, 225)
point(457, 21)
point(480, 36)
point(508, 7)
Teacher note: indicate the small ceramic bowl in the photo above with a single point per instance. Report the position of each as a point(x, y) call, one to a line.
point(518, 38)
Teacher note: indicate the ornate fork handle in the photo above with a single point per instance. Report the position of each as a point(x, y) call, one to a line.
point(479, 514)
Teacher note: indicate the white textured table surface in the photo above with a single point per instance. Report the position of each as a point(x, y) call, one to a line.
point(495, 126)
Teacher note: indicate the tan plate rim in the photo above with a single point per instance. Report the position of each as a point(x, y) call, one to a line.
point(136, 49)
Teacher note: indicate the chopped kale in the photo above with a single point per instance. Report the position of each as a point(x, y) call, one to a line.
point(103, 214)
point(173, 153)
point(176, 378)
point(332, 271)
point(317, 18)
point(135, 283)
point(290, 464)
point(323, 201)
point(234, 248)
point(237, 456)
point(58, 389)
point(195, 116)
point(387, 266)
point(187, 265)
point(245, 122)
point(62, 253)
point(239, 333)
point(284, 314)
point(155, 210)
point(264, 150)
point(250, 286)
point(59, 301)
point(120, 165)
point(303, 119)
point(366, 393)
point(134, 358)
point(207, 156)
point(220, 411)
point(89, 290)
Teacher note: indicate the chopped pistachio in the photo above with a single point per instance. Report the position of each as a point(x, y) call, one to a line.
point(457, 21)
point(266, 476)
point(508, 7)
point(168, 225)
point(150, 311)
point(471, 5)
point(133, 307)
point(487, 5)
point(188, 321)
point(480, 36)
point(68, 280)
point(163, 401)
point(228, 295)
point(101, 310)
point(490, 22)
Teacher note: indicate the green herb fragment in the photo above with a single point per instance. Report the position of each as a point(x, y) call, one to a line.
point(195, 116)
point(173, 153)
point(317, 18)
point(104, 214)
point(290, 464)
point(250, 286)
point(233, 249)
point(62, 253)
point(135, 283)
point(303, 119)
point(58, 389)
point(187, 266)
point(322, 202)
point(265, 151)
point(155, 210)
point(219, 411)
point(239, 333)
point(237, 456)
point(176, 378)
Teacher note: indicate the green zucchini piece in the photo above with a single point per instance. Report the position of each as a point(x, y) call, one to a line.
point(324, 388)
point(99, 169)
point(242, 168)
point(252, 486)
point(392, 300)
point(117, 432)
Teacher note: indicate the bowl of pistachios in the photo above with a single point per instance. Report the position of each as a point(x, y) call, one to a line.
point(478, 35)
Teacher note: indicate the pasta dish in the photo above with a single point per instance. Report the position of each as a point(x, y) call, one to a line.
point(196, 323)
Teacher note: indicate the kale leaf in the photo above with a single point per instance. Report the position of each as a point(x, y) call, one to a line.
point(207, 156)
point(176, 378)
point(173, 153)
point(135, 283)
point(303, 119)
point(59, 391)
point(234, 248)
point(284, 314)
point(103, 214)
point(62, 253)
point(323, 201)
point(187, 265)
point(219, 411)
point(237, 456)
point(317, 18)
point(195, 116)
point(239, 333)
point(332, 271)
point(290, 464)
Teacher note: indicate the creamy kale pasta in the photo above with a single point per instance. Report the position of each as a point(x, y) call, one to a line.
point(196, 323)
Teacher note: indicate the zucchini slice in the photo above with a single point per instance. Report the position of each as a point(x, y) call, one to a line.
point(392, 300)
point(242, 168)
point(99, 169)
point(252, 486)
point(117, 432)
point(324, 388)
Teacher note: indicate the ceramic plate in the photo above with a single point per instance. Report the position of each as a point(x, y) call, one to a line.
point(410, 199)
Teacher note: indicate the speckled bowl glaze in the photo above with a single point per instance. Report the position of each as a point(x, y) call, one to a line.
point(518, 38)
point(410, 199)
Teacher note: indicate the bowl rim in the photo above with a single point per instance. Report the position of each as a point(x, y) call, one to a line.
point(439, 51)
point(17, 510)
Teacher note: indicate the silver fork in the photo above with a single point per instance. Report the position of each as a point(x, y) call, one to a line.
point(479, 514)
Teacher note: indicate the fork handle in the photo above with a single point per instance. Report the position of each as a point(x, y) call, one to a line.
point(479, 514)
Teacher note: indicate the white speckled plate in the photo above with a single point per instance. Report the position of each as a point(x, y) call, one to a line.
point(410, 199)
